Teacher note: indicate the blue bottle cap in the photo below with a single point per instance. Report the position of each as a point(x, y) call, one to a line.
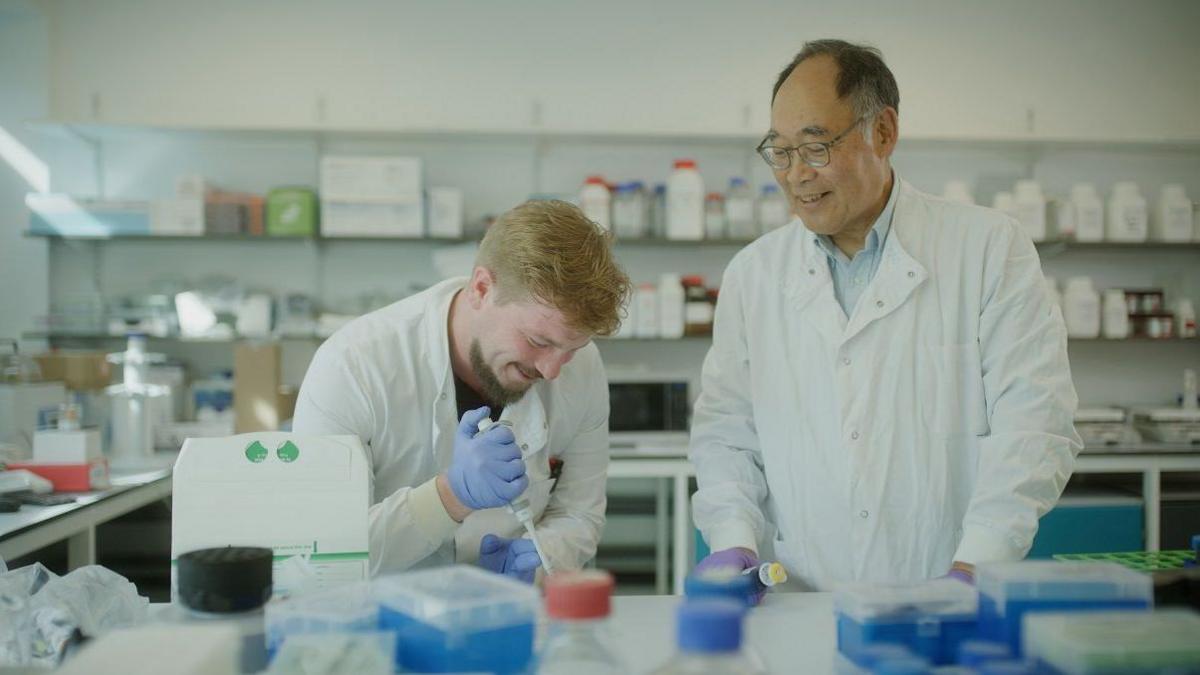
point(638, 185)
point(737, 182)
point(972, 653)
point(908, 665)
point(769, 188)
point(718, 584)
point(709, 625)
point(1005, 668)
point(873, 654)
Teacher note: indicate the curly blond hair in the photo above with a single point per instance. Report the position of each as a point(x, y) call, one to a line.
point(549, 251)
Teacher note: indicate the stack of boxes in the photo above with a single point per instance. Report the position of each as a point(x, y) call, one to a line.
point(372, 197)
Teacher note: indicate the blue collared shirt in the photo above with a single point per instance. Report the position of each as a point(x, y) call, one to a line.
point(852, 276)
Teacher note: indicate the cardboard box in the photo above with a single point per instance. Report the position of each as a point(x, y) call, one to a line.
point(52, 446)
point(179, 217)
point(257, 374)
point(292, 212)
point(79, 371)
point(368, 179)
point(297, 495)
point(72, 477)
point(345, 219)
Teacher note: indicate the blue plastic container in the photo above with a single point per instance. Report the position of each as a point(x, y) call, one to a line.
point(931, 618)
point(721, 583)
point(338, 610)
point(1008, 591)
point(461, 618)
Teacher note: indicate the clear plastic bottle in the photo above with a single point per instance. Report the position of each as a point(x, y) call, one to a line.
point(709, 640)
point(739, 210)
point(578, 642)
point(629, 211)
point(714, 216)
point(773, 209)
point(1081, 308)
point(1087, 212)
point(1127, 214)
point(1173, 215)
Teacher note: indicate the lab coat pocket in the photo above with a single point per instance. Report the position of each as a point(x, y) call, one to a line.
point(961, 408)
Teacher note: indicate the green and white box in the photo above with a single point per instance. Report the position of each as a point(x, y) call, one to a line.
point(291, 212)
point(297, 495)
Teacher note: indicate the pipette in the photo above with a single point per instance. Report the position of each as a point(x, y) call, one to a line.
point(768, 574)
point(519, 507)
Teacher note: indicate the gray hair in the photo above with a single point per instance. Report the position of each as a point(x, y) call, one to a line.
point(862, 76)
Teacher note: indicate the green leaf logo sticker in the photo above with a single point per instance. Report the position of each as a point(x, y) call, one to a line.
point(256, 452)
point(288, 452)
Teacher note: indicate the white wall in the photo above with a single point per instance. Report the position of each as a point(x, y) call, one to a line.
point(23, 95)
point(1087, 69)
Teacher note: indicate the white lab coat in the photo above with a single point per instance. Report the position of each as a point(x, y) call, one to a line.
point(386, 378)
point(933, 425)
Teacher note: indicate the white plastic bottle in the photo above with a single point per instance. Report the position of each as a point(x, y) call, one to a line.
point(709, 640)
point(714, 216)
point(1004, 202)
point(646, 298)
point(596, 201)
point(1185, 318)
point(671, 313)
point(1081, 308)
point(773, 209)
point(685, 202)
point(1030, 208)
point(1127, 217)
point(739, 210)
point(1116, 314)
point(1087, 212)
point(1173, 216)
point(578, 641)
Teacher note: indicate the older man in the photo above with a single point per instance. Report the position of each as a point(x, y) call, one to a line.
point(887, 396)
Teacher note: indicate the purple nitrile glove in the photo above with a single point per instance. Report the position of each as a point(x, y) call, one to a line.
point(516, 558)
point(738, 559)
point(486, 471)
point(960, 575)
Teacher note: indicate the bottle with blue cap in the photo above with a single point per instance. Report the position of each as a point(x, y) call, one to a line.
point(709, 640)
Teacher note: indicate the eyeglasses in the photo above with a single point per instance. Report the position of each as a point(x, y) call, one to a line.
point(815, 154)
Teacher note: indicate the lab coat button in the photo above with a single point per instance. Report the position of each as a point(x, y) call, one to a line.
point(845, 362)
point(854, 435)
point(912, 274)
point(879, 303)
point(812, 270)
point(524, 446)
point(864, 513)
point(443, 396)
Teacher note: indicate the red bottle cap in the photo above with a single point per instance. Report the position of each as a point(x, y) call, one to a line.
point(685, 164)
point(596, 180)
point(579, 595)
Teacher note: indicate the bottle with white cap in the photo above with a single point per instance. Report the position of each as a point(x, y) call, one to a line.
point(1185, 318)
point(1087, 212)
point(1081, 308)
point(1116, 314)
point(1030, 208)
point(671, 314)
point(1127, 217)
point(1173, 217)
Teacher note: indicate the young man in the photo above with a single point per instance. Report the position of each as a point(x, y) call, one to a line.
point(512, 342)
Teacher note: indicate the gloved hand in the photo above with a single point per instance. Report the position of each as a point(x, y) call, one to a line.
point(736, 559)
point(487, 470)
point(516, 558)
point(960, 575)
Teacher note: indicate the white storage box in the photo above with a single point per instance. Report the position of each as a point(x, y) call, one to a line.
point(342, 219)
point(370, 179)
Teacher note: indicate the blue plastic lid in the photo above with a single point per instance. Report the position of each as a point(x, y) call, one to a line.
point(1005, 668)
point(637, 185)
point(660, 188)
point(975, 652)
point(709, 625)
point(736, 182)
point(719, 584)
point(907, 665)
point(769, 188)
point(1196, 543)
point(887, 651)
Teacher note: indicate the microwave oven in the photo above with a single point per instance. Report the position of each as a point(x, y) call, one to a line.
point(648, 412)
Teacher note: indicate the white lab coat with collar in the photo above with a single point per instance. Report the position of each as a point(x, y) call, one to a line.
point(935, 424)
point(386, 378)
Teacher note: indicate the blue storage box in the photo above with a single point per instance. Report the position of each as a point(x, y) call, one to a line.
point(334, 611)
point(721, 583)
point(460, 618)
point(1008, 591)
point(65, 216)
point(929, 618)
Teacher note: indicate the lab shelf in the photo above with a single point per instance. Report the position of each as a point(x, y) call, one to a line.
point(227, 238)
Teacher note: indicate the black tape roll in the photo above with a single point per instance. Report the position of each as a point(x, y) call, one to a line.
point(230, 579)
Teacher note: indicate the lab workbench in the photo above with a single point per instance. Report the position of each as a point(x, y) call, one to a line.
point(674, 473)
point(35, 527)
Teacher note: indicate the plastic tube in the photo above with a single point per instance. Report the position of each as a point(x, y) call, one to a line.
point(520, 506)
point(768, 574)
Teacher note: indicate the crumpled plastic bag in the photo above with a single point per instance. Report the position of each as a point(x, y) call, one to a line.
point(41, 611)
